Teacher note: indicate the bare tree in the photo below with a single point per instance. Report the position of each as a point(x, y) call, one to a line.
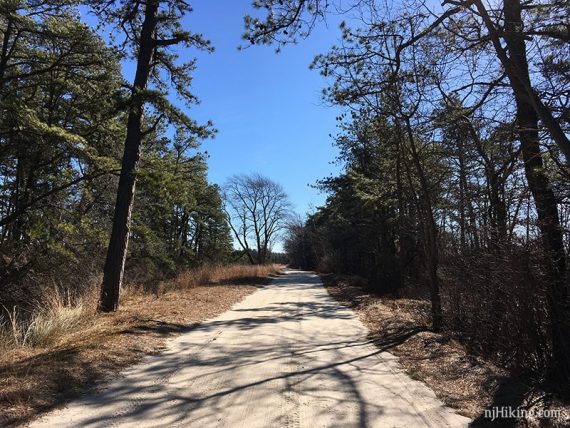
point(257, 209)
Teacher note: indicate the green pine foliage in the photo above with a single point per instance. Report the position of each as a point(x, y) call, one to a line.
point(62, 128)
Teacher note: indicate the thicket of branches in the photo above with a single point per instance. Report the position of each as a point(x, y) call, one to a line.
point(455, 146)
point(64, 110)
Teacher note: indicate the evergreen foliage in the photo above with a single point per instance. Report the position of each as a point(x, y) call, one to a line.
point(63, 113)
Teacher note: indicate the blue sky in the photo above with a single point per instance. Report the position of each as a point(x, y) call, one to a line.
point(266, 106)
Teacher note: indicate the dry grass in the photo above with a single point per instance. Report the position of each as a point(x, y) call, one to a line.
point(53, 317)
point(62, 349)
point(461, 380)
point(220, 274)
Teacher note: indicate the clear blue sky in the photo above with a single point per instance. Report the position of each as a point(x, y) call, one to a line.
point(266, 106)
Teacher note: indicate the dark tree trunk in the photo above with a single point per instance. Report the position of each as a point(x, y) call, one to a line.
point(498, 211)
point(403, 253)
point(430, 232)
point(516, 67)
point(539, 185)
point(117, 250)
point(250, 257)
point(4, 52)
point(463, 193)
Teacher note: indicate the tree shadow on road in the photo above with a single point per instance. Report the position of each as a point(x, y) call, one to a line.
point(176, 404)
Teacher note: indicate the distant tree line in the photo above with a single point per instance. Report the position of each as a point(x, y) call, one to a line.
point(455, 151)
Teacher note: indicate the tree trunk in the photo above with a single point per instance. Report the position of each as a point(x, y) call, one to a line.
point(539, 185)
point(462, 193)
point(431, 234)
point(403, 253)
point(497, 210)
point(4, 52)
point(516, 67)
point(117, 250)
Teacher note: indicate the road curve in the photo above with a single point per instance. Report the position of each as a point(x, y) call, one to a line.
point(288, 355)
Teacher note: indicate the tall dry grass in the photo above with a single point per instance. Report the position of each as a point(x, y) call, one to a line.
point(55, 315)
point(213, 274)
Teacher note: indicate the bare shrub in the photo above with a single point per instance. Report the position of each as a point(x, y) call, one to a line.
point(496, 304)
point(326, 264)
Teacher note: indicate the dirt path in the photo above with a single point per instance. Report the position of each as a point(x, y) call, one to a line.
point(286, 356)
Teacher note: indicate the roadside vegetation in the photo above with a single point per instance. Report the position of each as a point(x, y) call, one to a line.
point(62, 155)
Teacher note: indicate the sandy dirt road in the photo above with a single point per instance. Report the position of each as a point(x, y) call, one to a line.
point(286, 356)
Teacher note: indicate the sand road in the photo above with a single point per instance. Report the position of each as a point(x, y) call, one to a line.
point(286, 356)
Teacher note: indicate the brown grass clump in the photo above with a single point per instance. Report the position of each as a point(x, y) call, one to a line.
point(51, 356)
point(52, 317)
